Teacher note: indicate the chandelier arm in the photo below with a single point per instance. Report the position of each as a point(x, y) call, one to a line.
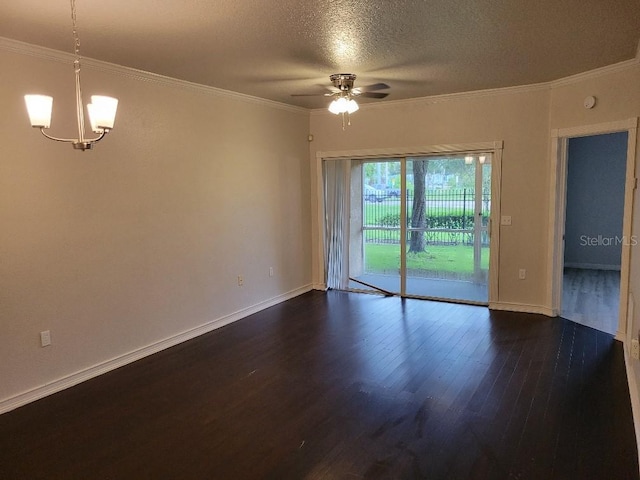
point(97, 139)
point(67, 140)
point(74, 140)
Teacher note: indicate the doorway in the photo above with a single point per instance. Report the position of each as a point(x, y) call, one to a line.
point(596, 169)
point(560, 139)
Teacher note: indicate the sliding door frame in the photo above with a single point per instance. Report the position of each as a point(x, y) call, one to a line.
point(495, 148)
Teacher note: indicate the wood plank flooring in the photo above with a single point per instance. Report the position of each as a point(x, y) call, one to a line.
point(592, 298)
point(344, 386)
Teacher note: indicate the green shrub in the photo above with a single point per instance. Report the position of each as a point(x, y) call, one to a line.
point(453, 222)
point(389, 220)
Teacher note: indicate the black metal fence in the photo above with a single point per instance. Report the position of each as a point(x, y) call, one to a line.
point(449, 218)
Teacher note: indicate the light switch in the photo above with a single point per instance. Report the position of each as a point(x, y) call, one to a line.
point(45, 338)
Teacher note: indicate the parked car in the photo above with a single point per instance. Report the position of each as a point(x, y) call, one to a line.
point(371, 194)
point(388, 190)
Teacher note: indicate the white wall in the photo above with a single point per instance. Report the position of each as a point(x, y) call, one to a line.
point(618, 96)
point(141, 239)
point(519, 117)
point(523, 118)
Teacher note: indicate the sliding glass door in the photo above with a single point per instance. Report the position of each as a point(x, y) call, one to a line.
point(375, 232)
point(448, 206)
point(419, 226)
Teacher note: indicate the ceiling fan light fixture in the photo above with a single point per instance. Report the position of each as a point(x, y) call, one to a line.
point(343, 105)
point(334, 106)
point(339, 105)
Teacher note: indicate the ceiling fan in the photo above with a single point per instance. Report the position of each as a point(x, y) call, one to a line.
point(344, 92)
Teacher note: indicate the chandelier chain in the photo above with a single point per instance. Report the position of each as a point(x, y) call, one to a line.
point(76, 65)
point(76, 37)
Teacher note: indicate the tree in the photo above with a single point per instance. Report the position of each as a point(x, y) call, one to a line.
point(417, 242)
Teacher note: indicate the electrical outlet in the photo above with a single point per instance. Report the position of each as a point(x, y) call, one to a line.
point(635, 349)
point(505, 220)
point(271, 271)
point(45, 338)
point(522, 274)
point(240, 280)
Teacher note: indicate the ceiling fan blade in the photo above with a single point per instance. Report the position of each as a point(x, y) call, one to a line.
point(373, 94)
point(375, 86)
point(343, 86)
point(312, 94)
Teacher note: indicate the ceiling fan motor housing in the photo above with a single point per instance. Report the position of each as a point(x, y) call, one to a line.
point(343, 81)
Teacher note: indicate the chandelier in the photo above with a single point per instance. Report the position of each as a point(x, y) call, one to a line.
point(102, 110)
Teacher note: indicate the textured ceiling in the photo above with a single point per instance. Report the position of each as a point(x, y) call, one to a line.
point(271, 49)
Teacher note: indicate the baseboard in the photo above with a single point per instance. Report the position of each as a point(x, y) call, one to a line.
point(523, 308)
point(67, 381)
point(592, 266)
point(635, 398)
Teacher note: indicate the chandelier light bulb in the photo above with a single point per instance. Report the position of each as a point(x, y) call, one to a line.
point(102, 112)
point(39, 108)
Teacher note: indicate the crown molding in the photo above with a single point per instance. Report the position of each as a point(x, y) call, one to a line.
point(447, 97)
point(22, 48)
point(534, 87)
point(598, 72)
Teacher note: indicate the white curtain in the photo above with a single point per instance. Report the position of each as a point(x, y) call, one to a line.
point(336, 207)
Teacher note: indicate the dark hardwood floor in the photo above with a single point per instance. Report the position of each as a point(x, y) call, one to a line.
point(592, 298)
point(339, 386)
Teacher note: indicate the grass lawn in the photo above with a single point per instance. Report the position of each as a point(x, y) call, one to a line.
point(455, 259)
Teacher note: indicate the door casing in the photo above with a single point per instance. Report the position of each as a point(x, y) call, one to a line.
point(557, 210)
point(495, 148)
